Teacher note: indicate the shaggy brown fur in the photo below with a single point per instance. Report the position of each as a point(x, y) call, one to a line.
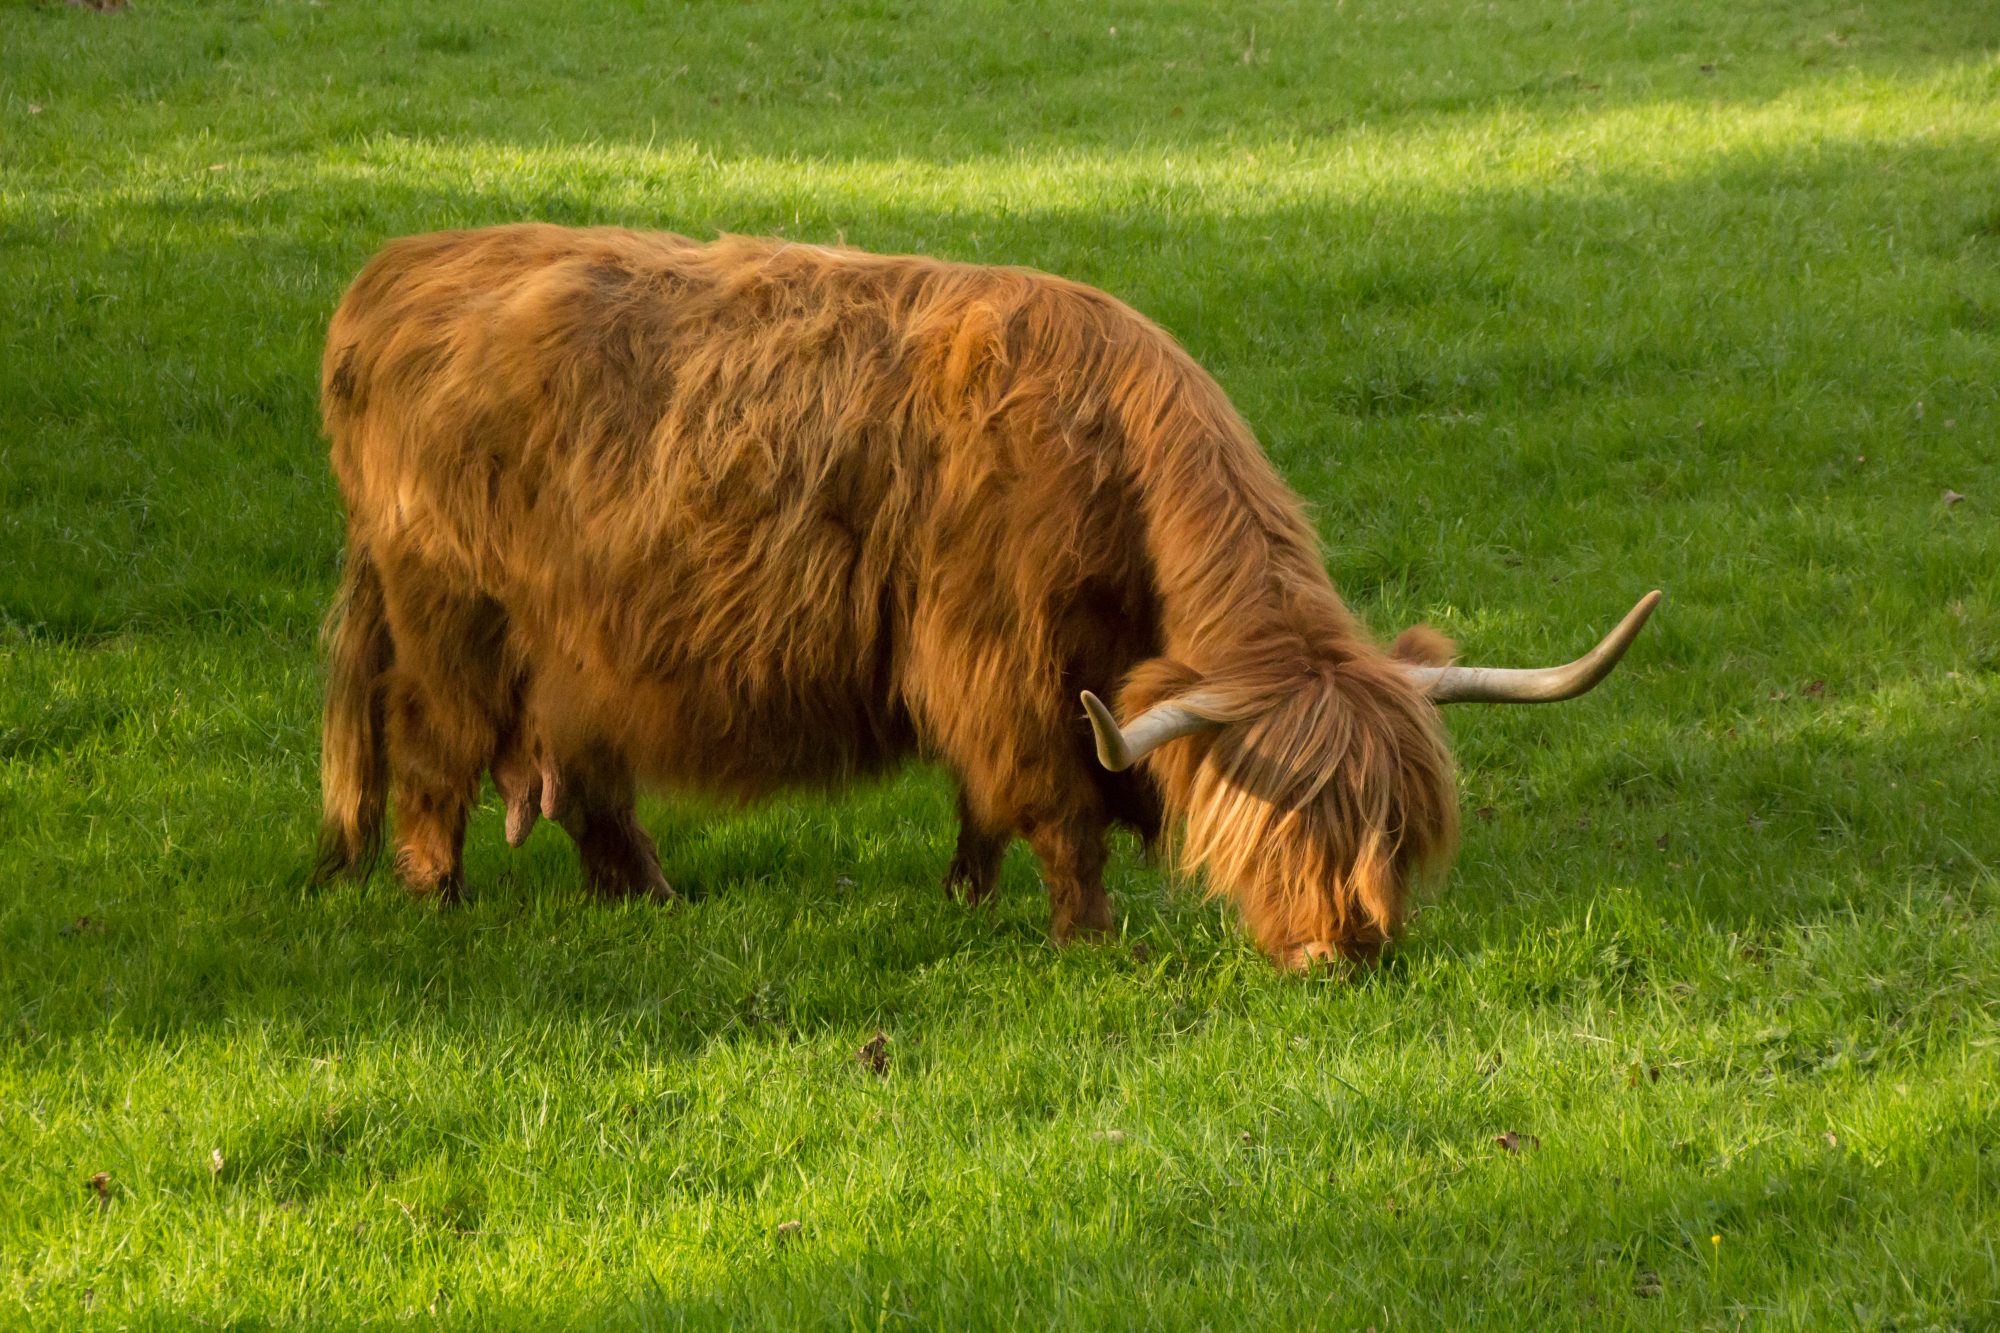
point(734, 516)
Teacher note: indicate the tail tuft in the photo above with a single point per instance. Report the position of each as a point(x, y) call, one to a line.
point(353, 766)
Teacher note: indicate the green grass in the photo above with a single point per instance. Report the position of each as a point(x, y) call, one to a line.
point(1540, 303)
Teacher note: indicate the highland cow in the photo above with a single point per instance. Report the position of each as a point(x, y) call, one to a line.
point(730, 517)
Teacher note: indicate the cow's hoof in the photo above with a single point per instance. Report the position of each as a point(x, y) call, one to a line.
point(423, 878)
point(444, 890)
point(962, 884)
point(657, 890)
point(632, 881)
point(1091, 929)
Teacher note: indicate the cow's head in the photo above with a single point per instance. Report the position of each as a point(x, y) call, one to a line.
point(1312, 789)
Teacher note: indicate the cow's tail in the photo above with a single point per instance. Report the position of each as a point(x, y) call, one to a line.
point(353, 768)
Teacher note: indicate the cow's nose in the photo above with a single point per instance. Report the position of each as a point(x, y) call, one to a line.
point(1304, 957)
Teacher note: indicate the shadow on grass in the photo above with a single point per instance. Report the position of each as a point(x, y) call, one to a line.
point(1356, 333)
point(1376, 327)
point(950, 80)
point(809, 917)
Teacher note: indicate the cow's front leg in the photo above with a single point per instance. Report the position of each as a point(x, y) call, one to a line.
point(975, 864)
point(1071, 848)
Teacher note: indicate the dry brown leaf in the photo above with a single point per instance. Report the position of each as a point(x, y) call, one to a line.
point(874, 1054)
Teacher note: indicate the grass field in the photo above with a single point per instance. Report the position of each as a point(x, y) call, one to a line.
point(1541, 303)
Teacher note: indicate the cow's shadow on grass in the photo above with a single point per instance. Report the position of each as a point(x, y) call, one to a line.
point(808, 917)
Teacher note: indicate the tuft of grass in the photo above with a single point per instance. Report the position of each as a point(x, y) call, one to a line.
point(1539, 304)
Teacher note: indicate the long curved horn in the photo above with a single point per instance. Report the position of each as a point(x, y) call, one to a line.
point(1120, 748)
point(1539, 685)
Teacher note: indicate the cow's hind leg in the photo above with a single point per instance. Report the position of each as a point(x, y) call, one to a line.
point(448, 694)
point(434, 777)
point(589, 791)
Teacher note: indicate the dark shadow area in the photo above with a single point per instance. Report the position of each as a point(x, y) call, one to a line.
point(948, 81)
